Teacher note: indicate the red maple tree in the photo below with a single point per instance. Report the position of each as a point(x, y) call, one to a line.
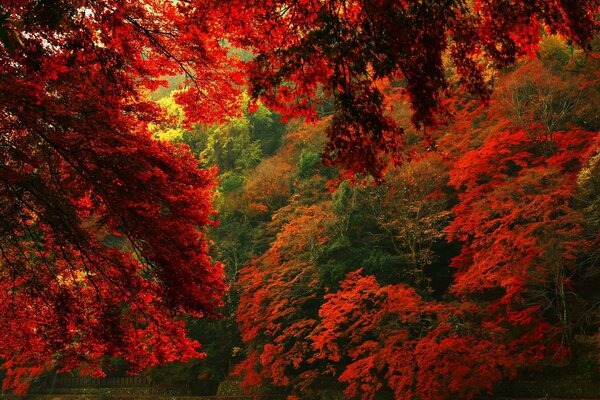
point(102, 243)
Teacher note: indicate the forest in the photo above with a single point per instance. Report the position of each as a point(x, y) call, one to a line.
point(318, 199)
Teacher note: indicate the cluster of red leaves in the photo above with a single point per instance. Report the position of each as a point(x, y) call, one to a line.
point(514, 198)
point(390, 338)
point(342, 48)
point(278, 289)
point(101, 241)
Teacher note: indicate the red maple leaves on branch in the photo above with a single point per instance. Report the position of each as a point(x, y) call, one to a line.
point(102, 244)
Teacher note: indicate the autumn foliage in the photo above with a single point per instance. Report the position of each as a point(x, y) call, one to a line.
point(498, 206)
point(427, 224)
point(345, 47)
point(102, 239)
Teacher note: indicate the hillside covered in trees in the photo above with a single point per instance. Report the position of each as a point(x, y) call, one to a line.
point(473, 260)
point(327, 199)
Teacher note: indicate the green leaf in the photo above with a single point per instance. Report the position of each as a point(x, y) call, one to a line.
point(6, 39)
